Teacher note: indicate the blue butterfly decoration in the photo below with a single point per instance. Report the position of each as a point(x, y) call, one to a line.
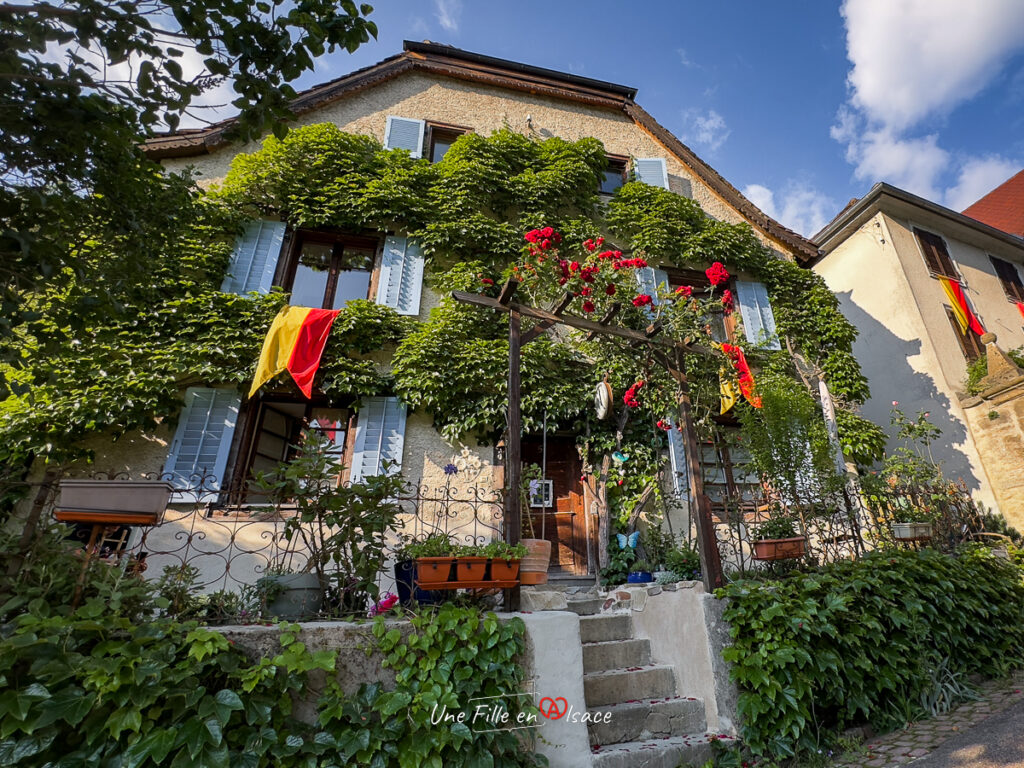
point(628, 541)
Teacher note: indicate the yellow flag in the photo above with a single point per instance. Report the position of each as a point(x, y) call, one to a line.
point(954, 302)
point(727, 390)
point(279, 345)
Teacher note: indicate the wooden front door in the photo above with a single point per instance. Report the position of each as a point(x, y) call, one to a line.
point(562, 518)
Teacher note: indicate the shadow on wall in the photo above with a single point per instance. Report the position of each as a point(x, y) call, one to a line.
point(883, 358)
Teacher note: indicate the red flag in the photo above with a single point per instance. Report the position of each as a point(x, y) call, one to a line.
point(746, 378)
point(294, 343)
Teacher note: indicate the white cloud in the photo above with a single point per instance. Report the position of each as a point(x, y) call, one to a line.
point(978, 177)
point(802, 207)
point(683, 58)
point(448, 13)
point(708, 129)
point(911, 60)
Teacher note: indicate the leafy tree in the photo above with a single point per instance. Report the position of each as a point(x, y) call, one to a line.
point(82, 83)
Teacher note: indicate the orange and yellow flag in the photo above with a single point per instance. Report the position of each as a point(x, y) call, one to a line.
point(294, 343)
point(964, 316)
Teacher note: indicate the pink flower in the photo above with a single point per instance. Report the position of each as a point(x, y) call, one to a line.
point(385, 604)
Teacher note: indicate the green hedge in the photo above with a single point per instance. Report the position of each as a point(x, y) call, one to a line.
point(871, 640)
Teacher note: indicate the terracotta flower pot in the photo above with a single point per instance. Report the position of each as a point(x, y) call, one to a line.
point(780, 549)
point(534, 567)
point(504, 570)
point(470, 568)
point(433, 570)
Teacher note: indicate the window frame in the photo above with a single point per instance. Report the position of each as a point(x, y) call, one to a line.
point(697, 280)
point(621, 162)
point(288, 267)
point(970, 342)
point(437, 130)
point(1013, 287)
point(941, 259)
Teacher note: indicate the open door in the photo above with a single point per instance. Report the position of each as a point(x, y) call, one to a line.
point(557, 509)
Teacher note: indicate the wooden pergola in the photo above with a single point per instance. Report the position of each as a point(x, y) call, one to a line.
point(667, 352)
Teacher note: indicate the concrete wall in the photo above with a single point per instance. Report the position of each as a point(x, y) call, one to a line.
point(552, 662)
point(879, 286)
point(686, 630)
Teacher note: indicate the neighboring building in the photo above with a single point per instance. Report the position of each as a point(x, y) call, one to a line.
point(1003, 207)
point(421, 100)
point(884, 256)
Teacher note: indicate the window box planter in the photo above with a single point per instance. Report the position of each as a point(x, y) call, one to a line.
point(534, 568)
point(504, 570)
point(470, 568)
point(780, 549)
point(639, 577)
point(912, 531)
point(112, 502)
point(434, 570)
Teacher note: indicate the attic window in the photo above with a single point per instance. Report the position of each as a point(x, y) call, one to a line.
point(936, 255)
point(440, 138)
point(614, 177)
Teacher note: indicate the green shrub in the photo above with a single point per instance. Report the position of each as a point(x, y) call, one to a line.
point(866, 641)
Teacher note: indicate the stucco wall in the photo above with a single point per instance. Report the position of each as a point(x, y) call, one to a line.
point(486, 109)
point(871, 273)
point(997, 423)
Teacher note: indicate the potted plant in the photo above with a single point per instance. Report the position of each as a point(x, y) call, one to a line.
point(534, 567)
point(334, 538)
point(505, 559)
point(470, 563)
point(778, 539)
point(915, 524)
point(434, 556)
point(288, 595)
point(640, 573)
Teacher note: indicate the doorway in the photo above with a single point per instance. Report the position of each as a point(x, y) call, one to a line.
point(557, 508)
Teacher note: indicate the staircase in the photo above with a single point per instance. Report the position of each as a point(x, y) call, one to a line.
point(650, 726)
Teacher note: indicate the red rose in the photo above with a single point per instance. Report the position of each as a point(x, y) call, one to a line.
point(685, 290)
point(557, 237)
point(532, 236)
point(642, 300)
point(727, 301)
point(600, 241)
point(588, 306)
point(545, 244)
point(586, 290)
point(574, 266)
point(716, 273)
point(590, 245)
point(547, 232)
point(486, 281)
point(561, 281)
point(610, 289)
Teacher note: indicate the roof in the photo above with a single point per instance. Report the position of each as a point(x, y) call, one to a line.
point(446, 61)
point(856, 213)
point(1003, 207)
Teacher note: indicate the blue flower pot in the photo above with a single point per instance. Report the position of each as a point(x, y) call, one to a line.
point(405, 579)
point(640, 577)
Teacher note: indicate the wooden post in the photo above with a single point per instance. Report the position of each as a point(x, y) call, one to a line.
point(513, 450)
point(707, 542)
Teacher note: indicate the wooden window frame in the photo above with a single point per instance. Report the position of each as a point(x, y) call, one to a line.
point(287, 267)
point(621, 162)
point(700, 284)
point(438, 130)
point(970, 343)
point(1009, 277)
point(935, 253)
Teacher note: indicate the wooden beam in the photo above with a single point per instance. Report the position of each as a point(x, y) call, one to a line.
point(508, 290)
point(513, 448)
point(544, 325)
point(606, 318)
point(580, 323)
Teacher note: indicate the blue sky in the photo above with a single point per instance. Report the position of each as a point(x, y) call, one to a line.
point(801, 105)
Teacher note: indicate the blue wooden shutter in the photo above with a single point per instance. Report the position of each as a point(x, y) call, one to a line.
point(380, 437)
point(404, 133)
point(677, 462)
point(254, 259)
point(651, 170)
point(652, 280)
point(756, 309)
point(203, 438)
point(400, 282)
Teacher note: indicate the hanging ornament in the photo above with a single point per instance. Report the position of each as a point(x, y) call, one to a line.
point(603, 400)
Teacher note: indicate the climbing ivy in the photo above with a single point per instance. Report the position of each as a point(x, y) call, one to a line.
point(469, 213)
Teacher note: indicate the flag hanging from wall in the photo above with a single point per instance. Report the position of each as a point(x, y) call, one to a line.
point(1020, 307)
point(727, 389)
point(294, 343)
point(961, 309)
point(728, 394)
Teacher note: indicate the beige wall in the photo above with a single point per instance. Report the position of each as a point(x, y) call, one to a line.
point(486, 109)
point(894, 305)
point(998, 428)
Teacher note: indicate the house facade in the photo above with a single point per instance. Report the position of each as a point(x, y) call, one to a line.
point(421, 101)
point(886, 256)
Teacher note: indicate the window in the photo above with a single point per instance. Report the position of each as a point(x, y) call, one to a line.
point(721, 325)
point(199, 451)
point(614, 177)
point(1010, 278)
point(730, 481)
point(970, 342)
point(328, 271)
point(254, 258)
point(936, 256)
point(440, 138)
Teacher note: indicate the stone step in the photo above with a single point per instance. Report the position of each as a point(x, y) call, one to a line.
point(641, 720)
point(616, 654)
point(586, 607)
point(617, 686)
point(673, 752)
point(606, 627)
